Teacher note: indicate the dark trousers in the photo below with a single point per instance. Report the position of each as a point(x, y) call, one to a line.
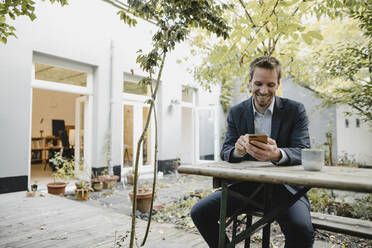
point(295, 222)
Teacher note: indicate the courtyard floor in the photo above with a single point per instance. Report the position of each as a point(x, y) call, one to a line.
point(104, 220)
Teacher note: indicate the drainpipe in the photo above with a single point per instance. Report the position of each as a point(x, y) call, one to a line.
point(109, 148)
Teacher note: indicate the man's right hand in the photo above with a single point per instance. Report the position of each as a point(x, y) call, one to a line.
point(240, 145)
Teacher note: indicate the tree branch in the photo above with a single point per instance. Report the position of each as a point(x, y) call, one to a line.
point(247, 14)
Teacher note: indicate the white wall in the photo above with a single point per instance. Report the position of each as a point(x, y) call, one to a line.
point(15, 107)
point(322, 119)
point(356, 142)
point(83, 33)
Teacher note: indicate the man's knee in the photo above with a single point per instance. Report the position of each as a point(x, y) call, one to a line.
point(299, 235)
point(206, 208)
point(195, 212)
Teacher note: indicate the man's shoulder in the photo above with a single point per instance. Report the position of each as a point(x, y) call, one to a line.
point(291, 107)
point(289, 103)
point(241, 106)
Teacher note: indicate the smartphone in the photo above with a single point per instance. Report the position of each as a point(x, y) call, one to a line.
point(258, 137)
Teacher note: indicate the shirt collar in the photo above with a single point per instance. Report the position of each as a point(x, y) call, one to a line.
point(270, 108)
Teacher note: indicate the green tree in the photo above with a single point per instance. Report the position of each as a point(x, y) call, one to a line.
point(15, 8)
point(338, 68)
point(174, 19)
point(352, 61)
point(274, 27)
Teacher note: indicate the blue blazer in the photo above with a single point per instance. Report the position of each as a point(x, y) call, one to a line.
point(289, 128)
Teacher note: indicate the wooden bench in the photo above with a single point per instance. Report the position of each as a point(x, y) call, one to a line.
point(332, 223)
point(344, 225)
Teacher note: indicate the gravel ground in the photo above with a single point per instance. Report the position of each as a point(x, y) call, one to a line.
point(172, 188)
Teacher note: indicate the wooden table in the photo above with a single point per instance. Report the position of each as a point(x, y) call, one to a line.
point(342, 178)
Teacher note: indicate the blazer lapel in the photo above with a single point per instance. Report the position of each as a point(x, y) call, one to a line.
point(277, 118)
point(248, 117)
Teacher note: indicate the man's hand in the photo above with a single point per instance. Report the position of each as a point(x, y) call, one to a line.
point(241, 144)
point(262, 151)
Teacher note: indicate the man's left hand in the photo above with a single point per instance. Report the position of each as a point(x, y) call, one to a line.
point(264, 152)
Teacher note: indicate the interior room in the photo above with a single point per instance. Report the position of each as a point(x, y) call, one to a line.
point(53, 130)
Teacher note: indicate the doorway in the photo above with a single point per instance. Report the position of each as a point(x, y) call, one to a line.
point(58, 126)
point(187, 135)
point(61, 102)
point(207, 145)
point(135, 114)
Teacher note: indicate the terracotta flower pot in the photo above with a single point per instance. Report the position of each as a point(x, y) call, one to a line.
point(82, 194)
point(109, 181)
point(97, 185)
point(56, 188)
point(130, 179)
point(144, 197)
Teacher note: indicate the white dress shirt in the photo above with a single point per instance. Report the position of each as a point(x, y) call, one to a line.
point(262, 125)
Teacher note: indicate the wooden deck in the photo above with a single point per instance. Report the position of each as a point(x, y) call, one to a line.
point(53, 221)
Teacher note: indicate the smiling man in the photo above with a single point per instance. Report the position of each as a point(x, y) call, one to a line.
point(286, 124)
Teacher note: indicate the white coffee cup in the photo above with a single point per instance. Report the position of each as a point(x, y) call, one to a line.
point(312, 159)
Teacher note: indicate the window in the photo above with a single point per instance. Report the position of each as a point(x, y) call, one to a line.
point(357, 122)
point(346, 123)
point(136, 89)
point(60, 75)
point(187, 94)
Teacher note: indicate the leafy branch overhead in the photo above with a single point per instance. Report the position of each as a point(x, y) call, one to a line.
point(173, 19)
point(279, 28)
point(15, 8)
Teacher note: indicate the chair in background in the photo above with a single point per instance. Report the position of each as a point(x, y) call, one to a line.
point(66, 151)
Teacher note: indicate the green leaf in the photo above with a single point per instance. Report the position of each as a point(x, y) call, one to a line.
point(32, 16)
point(307, 38)
point(2, 19)
point(316, 35)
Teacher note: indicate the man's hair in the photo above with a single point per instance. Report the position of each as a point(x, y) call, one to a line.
point(266, 62)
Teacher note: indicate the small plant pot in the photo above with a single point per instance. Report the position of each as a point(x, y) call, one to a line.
point(34, 187)
point(30, 193)
point(97, 185)
point(144, 197)
point(82, 194)
point(79, 186)
point(109, 182)
point(130, 179)
point(56, 188)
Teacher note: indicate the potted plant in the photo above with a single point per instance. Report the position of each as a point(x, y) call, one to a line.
point(109, 181)
point(34, 186)
point(65, 171)
point(144, 196)
point(82, 190)
point(96, 183)
point(130, 176)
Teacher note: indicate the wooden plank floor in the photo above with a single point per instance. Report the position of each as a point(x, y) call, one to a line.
point(53, 221)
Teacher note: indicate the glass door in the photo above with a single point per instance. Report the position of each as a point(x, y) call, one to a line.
point(79, 132)
point(206, 135)
point(128, 135)
point(134, 120)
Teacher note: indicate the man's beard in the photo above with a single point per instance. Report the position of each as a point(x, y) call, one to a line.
point(267, 100)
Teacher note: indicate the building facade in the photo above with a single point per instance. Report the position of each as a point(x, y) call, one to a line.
point(70, 80)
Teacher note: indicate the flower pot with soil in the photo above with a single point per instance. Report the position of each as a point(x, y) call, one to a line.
point(65, 171)
point(130, 176)
point(34, 186)
point(97, 184)
point(82, 190)
point(109, 181)
point(144, 197)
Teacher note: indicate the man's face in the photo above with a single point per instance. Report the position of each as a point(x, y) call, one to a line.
point(264, 84)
